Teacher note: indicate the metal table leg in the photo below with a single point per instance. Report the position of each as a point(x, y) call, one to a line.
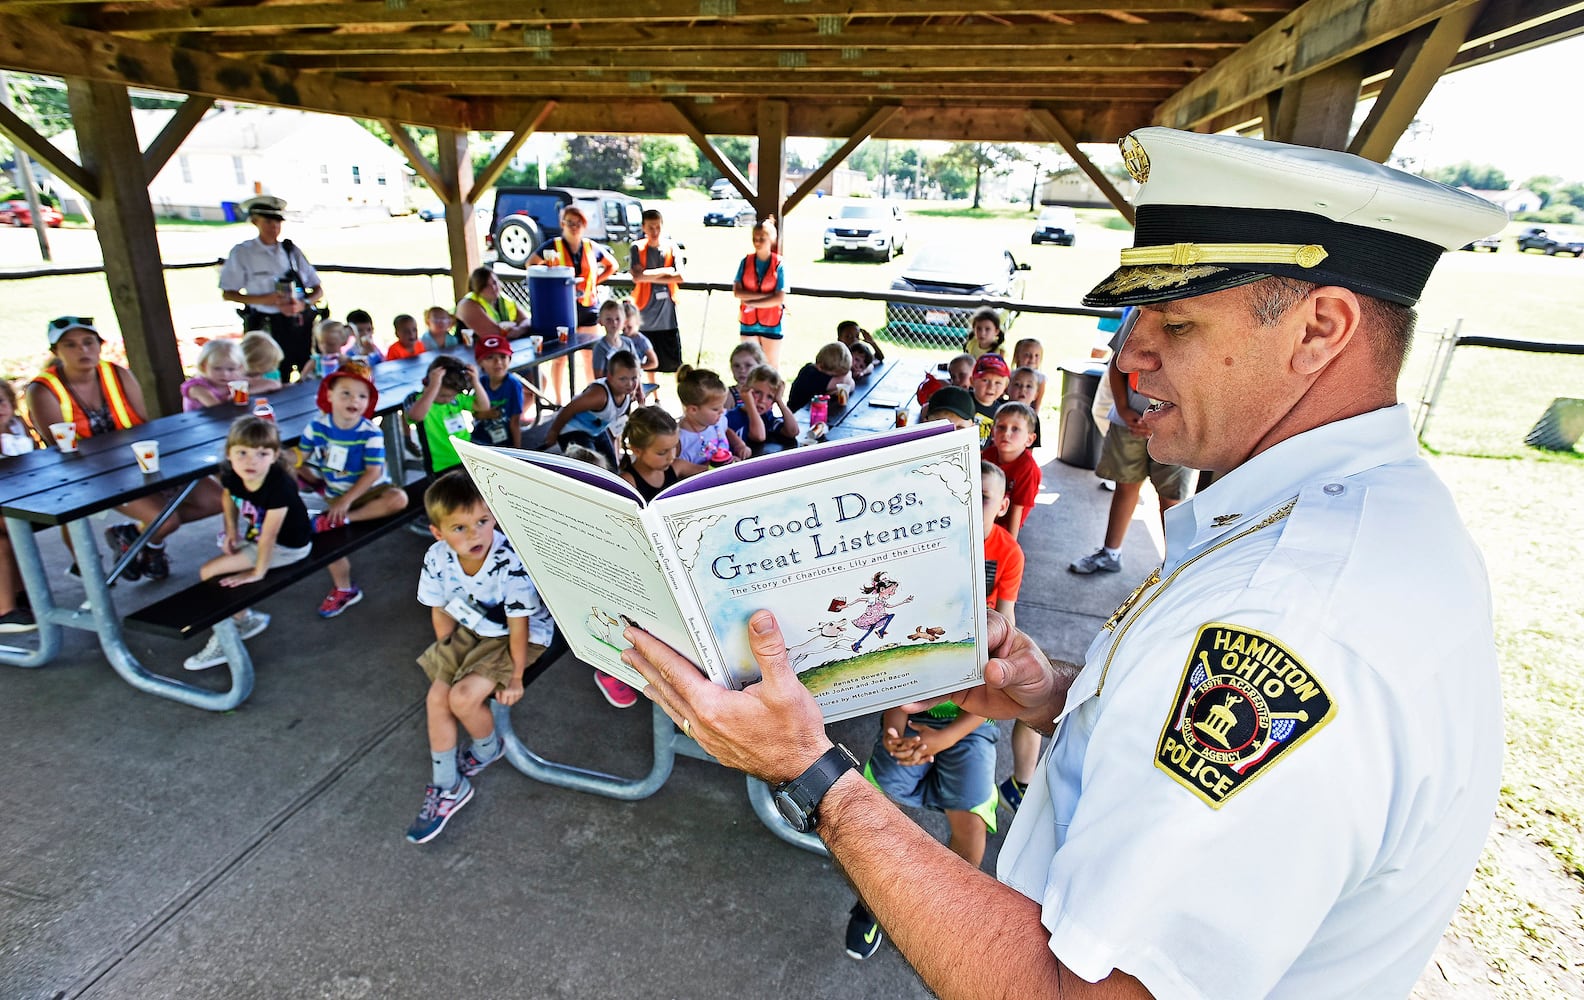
point(24, 548)
point(103, 619)
point(669, 743)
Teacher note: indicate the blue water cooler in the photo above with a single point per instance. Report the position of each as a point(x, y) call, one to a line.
point(552, 296)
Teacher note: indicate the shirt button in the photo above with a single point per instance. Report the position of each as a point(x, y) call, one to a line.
point(1334, 489)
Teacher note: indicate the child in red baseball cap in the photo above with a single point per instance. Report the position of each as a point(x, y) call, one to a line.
point(988, 384)
point(501, 424)
point(341, 456)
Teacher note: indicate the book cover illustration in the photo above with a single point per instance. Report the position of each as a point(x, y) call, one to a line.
point(874, 575)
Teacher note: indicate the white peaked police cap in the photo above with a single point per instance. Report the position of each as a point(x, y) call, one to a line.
point(1218, 211)
point(266, 205)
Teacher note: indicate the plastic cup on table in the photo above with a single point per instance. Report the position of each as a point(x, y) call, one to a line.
point(65, 435)
point(239, 391)
point(147, 453)
point(561, 334)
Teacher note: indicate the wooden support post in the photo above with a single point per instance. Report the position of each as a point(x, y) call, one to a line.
point(124, 220)
point(772, 163)
point(456, 173)
point(1427, 54)
point(871, 125)
point(727, 168)
point(1317, 110)
point(1046, 121)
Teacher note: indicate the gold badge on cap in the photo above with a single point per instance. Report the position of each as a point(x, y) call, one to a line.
point(1134, 158)
point(1244, 703)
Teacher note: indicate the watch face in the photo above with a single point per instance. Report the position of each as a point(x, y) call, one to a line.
point(789, 810)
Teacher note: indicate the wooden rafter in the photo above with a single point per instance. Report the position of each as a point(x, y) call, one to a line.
point(1046, 121)
point(174, 133)
point(428, 171)
point(531, 120)
point(693, 130)
point(1427, 54)
point(870, 125)
point(47, 153)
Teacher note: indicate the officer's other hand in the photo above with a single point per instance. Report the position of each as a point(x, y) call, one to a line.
point(1019, 680)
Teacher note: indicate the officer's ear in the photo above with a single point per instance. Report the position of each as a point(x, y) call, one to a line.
point(1331, 316)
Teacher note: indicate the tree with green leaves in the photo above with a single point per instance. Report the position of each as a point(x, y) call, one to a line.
point(1479, 176)
point(667, 161)
point(598, 161)
point(977, 159)
point(737, 149)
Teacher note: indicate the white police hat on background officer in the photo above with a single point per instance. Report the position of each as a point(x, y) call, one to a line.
point(1218, 211)
point(267, 205)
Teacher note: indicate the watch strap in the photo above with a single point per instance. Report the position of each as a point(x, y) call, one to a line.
point(808, 788)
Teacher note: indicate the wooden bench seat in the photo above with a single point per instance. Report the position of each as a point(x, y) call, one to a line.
point(190, 612)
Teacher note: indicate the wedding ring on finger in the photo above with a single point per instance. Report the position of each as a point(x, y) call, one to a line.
point(687, 728)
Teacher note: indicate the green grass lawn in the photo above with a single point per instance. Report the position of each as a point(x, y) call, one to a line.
point(1523, 911)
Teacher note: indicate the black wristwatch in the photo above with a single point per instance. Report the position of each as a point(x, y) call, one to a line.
point(798, 800)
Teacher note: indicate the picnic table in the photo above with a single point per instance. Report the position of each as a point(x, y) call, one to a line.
point(873, 403)
point(49, 488)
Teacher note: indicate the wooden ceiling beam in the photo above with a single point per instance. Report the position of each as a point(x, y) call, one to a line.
point(443, 12)
point(41, 46)
point(611, 41)
point(773, 65)
point(1320, 34)
point(547, 81)
point(999, 94)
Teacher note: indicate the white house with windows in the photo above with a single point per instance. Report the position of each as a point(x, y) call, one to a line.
point(315, 162)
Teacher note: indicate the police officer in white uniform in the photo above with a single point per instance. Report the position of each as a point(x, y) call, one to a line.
point(1275, 770)
point(276, 285)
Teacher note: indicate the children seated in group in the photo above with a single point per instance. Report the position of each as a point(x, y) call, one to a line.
point(745, 357)
point(490, 626)
point(850, 333)
point(452, 398)
point(341, 456)
point(407, 343)
point(959, 370)
point(643, 347)
point(989, 382)
point(596, 417)
point(330, 339)
point(830, 373)
point(764, 420)
point(16, 615)
point(1030, 353)
point(437, 329)
point(501, 424)
point(610, 323)
point(1023, 388)
point(863, 361)
point(1010, 441)
point(705, 438)
point(1003, 579)
point(984, 333)
point(361, 324)
point(220, 362)
point(266, 524)
point(261, 356)
point(651, 443)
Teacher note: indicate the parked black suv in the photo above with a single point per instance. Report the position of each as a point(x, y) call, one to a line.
point(527, 216)
point(1536, 238)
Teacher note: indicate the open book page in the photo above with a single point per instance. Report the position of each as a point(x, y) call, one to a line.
point(872, 560)
point(588, 553)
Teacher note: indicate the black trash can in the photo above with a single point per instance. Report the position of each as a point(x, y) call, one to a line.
point(1077, 437)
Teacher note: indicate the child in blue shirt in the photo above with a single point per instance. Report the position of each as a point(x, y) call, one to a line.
point(501, 424)
point(341, 456)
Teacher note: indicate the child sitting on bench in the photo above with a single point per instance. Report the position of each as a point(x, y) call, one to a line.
point(490, 627)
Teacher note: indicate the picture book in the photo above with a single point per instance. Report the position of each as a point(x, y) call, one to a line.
point(869, 551)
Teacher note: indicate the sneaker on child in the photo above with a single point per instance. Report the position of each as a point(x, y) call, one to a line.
point(338, 601)
point(154, 563)
point(863, 934)
point(617, 693)
point(212, 655)
point(120, 538)
point(18, 620)
point(1098, 561)
point(1012, 793)
point(470, 763)
point(439, 806)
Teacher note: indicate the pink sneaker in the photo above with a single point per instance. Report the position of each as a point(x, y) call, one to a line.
point(618, 694)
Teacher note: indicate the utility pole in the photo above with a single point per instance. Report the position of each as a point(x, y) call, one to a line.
point(25, 176)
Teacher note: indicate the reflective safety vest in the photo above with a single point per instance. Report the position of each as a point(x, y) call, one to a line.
point(749, 315)
point(109, 385)
point(504, 310)
point(643, 291)
point(586, 279)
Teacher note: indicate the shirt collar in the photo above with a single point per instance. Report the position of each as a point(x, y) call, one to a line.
point(1336, 450)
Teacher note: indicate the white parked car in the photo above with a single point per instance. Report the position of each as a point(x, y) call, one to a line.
point(869, 228)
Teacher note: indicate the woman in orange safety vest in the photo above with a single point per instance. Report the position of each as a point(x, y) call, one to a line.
point(760, 287)
point(80, 388)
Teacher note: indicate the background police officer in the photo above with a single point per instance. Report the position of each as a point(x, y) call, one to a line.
point(277, 287)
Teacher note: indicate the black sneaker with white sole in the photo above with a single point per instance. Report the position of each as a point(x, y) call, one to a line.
point(863, 934)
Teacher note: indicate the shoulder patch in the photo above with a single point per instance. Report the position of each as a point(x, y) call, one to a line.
point(1244, 702)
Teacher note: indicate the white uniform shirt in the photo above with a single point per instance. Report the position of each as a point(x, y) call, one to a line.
point(502, 582)
point(254, 268)
point(1330, 868)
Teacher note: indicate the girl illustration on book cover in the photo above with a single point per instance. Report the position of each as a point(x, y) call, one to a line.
point(877, 617)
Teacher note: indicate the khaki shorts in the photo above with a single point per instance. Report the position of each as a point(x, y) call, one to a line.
point(1124, 458)
point(465, 652)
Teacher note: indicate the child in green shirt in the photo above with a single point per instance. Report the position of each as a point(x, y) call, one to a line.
point(445, 409)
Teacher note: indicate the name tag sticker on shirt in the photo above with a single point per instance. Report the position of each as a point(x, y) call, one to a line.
point(336, 457)
point(1244, 702)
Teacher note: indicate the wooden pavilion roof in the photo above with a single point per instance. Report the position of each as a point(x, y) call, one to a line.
point(953, 69)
